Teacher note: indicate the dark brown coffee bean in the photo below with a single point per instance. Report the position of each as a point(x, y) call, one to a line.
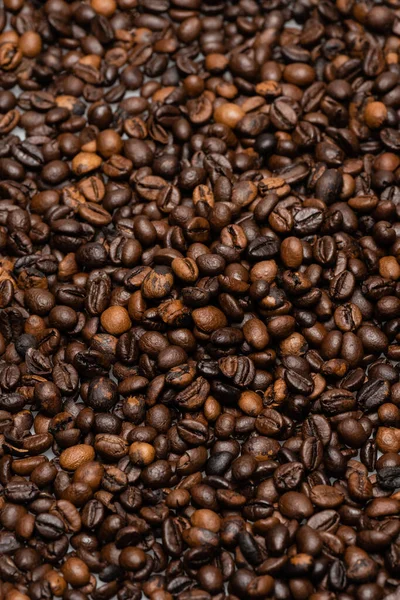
point(373, 394)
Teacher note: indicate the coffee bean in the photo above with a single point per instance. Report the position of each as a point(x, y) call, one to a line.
point(295, 505)
point(74, 457)
point(336, 401)
point(75, 572)
point(8, 542)
point(263, 248)
point(49, 526)
point(288, 476)
point(388, 477)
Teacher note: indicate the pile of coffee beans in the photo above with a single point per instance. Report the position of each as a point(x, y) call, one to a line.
point(200, 300)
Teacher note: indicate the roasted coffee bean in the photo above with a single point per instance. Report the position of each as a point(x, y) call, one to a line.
point(373, 393)
point(49, 526)
point(388, 477)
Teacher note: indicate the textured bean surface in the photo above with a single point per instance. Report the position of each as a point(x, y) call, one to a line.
point(199, 300)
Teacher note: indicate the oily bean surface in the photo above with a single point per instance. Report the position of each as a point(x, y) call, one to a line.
point(199, 300)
